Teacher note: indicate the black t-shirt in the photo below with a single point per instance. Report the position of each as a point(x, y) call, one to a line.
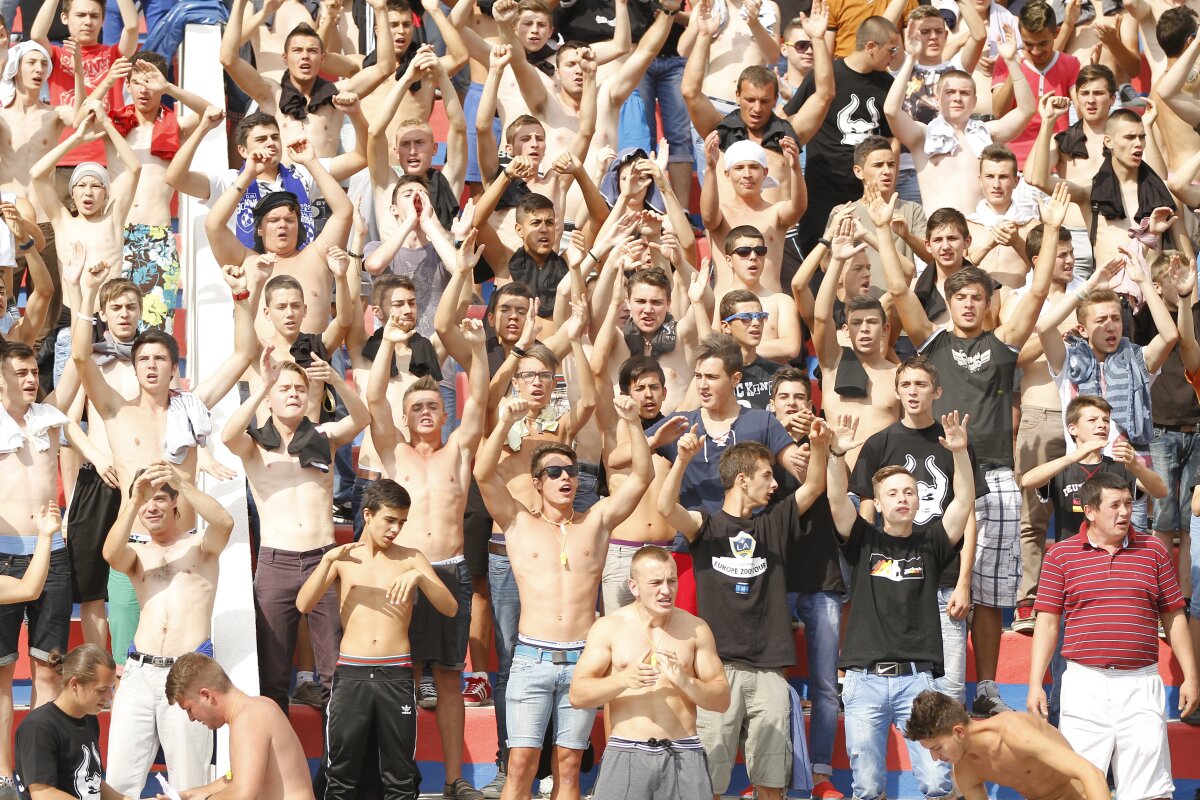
point(856, 113)
point(894, 616)
point(977, 379)
point(58, 750)
point(754, 391)
point(919, 452)
point(740, 583)
point(819, 567)
point(593, 21)
point(1062, 492)
point(1172, 399)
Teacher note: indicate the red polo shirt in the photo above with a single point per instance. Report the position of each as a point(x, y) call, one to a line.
point(1112, 601)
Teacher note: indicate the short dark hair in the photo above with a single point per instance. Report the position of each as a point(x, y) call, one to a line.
point(14, 350)
point(1173, 30)
point(383, 286)
point(723, 347)
point(152, 58)
point(1076, 407)
point(574, 44)
point(1093, 488)
point(550, 449)
point(251, 121)
point(385, 492)
point(734, 298)
point(999, 154)
point(632, 369)
point(872, 29)
point(425, 383)
point(934, 714)
point(280, 283)
point(869, 145)
point(757, 75)
point(405, 180)
point(519, 122)
point(1033, 239)
point(155, 336)
point(1099, 72)
point(947, 218)
point(920, 362)
point(742, 232)
point(953, 73)
point(790, 375)
point(1122, 115)
point(864, 302)
point(741, 459)
point(654, 276)
point(967, 276)
point(533, 202)
point(1038, 16)
point(305, 30)
point(515, 288)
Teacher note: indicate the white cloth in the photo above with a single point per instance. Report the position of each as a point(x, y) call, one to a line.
point(8, 243)
point(986, 215)
point(8, 79)
point(720, 12)
point(189, 424)
point(39, 419)
point(940, 138)
point(1116, 717)
point(142, 720)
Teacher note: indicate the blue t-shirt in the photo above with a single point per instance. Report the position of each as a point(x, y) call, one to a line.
point(701, 482)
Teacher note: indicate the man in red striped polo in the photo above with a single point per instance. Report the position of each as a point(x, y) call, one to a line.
point(1114, 585)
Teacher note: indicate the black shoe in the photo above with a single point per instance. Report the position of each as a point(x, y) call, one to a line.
point(461, 790)
point(343, 515)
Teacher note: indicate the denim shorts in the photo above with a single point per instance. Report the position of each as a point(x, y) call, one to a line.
point(49, 615)
point(1176, 457)
point(536, 691)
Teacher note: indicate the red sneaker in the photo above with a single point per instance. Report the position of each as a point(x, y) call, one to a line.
point(748, 793)
point(825, 790)
point(1023, 620)
point(478, 692)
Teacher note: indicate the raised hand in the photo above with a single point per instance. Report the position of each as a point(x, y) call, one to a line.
point(95, 275)
point(1122, 451)
point(512, 409)
point(522, 167)
point(468, 255)
point(1161, 219)
point(700, 281)
point(567, 164)
point(816, 22)
point(843, 246)
point(1052, 106)
point(402, 588)
point(1008, 43)
point(338, 260)
point(842, 434)
point(500, 56)
point(394, 332)
point(956, 431)
point(504, 12)
point(1106, 276)
point(1183, 276)
point(49, 521)
point(301, 151)
point(473, 333)
point(668, 432)
point(462, 223)
point(577, 322)
point(690, 442)
point(268, 368)
point(235, 277)
point(712, 148)
point(211, 467)
point(320, 371)
point(820, 434)
point(212, 117)
point(626, 409)
point(347, 102)
point(912, 39)
point(264, 266)
point(149, 76)
point(532, 325)
point(879, 210)
point(791, 153)
point(1055, 207)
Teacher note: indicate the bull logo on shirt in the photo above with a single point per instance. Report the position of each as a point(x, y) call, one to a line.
point(897, 569)
point(932, 495)
point(856, 129)
point(88, 774)
point(742, 564)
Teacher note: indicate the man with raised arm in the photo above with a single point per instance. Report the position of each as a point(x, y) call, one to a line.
point(1020, 751)
point(373, 699)
point(653, 665)
point(175, 576)
point(28, 485)
point(947, 149)
point(437, 477)
point(740, 561)
point(307, 106)
point(265, 757)
point(287, 460)
point(557, 557)
point(279, 231)
point(892, 650)
point(977, 368)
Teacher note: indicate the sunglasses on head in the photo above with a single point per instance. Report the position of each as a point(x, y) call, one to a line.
point(800, 46)
point(745, 252)
point(555, 471)
point(748, 316)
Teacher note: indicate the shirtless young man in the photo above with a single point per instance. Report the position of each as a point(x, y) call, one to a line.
point(653, 665)
point(28, 484)
point(1130, 176)
point(287, 461)
point(373, 697)
point(175, 577)
point(266, 40)
point(998, 227)
point(437, 477)
point(746, 251)
point(1148, 13)
point(1176, 94)
point(279, 231)
point(746, 170)
point(857, 379)
point(265, 757)
point(946, 151)
point(306, 105)
point(557, 558)
point(1020, 750)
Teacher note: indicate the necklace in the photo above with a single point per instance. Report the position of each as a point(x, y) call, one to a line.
point(562, 528)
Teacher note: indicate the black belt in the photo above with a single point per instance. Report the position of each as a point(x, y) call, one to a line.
point(1191, 427)
point(897, 669)
point(154, 661)
point(589, 469)
point(497, 549)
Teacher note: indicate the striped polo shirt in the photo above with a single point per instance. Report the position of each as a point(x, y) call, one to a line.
point(1112, 602)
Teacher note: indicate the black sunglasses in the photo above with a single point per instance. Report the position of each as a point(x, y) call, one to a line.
point(745, 252)
point(555, 471)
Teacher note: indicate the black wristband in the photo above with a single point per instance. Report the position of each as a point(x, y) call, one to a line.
point(26, 245)
point(825, 242)
point(352, 254)
point(517, 351)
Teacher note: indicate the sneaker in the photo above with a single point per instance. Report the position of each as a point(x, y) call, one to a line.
point(308, 694)
point(478, 692)
point(1023, 620)
point(7, 790)
point(461, 790)
point(427, 694)
point(494, 789)
point(1191, 719)
point(749, 793)
point(825, 790)
point(342, 515)
point(987, 700)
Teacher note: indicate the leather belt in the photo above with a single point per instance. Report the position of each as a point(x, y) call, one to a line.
point(1189, 428)
point(154, 661)
point(497, 549)
point(897, 669)
point(367, 474)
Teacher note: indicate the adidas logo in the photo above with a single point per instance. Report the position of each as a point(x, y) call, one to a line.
point(405, 709)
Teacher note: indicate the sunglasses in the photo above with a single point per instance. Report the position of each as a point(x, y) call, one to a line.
point(892, 50)
point(555, 471)
point(746, 252)
point(748, 316)
point(800, 46)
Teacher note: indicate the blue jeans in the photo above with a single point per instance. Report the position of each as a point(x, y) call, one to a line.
point(449, 389)
point(661, 85)
point(586, 494)
point(506, 608)
point(873, 704)
point(154, 10)
point(821, 614)
point(1176, 457)
point(539, 691)
point(1195, 528)
point(8, 9)
point(907, 186)
point(954, 651)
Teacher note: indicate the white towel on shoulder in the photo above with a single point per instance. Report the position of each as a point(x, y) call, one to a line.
point(940, 138)
point(189, 424)
point(39, 419)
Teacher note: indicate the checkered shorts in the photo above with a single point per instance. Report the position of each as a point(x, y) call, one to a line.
point(997, 569)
